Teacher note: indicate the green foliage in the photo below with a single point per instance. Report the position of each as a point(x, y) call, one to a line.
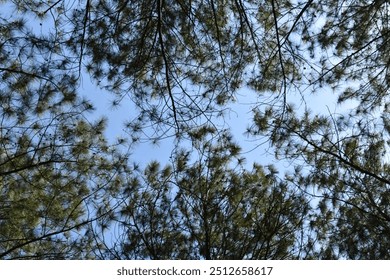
point(181, 63)
point(211, 209)
point(54, 171)
point(55, 165)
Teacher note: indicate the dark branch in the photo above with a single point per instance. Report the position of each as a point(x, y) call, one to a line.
point(166, 63)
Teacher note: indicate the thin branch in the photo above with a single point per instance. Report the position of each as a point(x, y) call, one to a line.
point(52, 6)
point(241, 9)
point(297, 19)
point(166, 63)
point(218, 37)
point(343, 160)
point(348, 57)
point(62, 230)
point(29, 74)
point(87, 7)
point(284, 86)
point(34, 166)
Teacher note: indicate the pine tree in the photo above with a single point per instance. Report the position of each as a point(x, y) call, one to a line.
point(181, 63)
point(206, 205)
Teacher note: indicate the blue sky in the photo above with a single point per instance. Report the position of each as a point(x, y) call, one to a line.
point(240, 116)
point(238, 119)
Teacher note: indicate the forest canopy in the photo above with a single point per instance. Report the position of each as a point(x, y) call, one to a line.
point(67, 191)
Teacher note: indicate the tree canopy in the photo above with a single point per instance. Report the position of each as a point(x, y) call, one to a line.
point(207, 206)
point(68, 192)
